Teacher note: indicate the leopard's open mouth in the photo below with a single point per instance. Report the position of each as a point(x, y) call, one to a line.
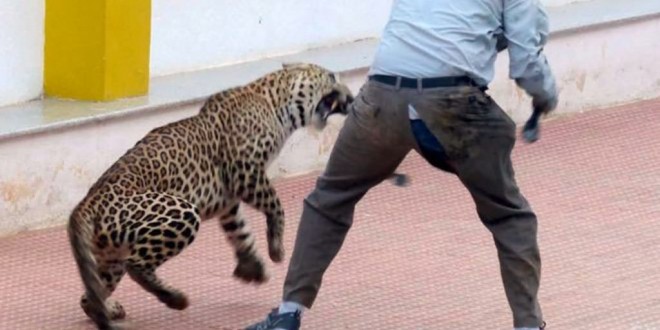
point(332, 104)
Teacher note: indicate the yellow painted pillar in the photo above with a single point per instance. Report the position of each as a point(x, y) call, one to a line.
point(97, 50)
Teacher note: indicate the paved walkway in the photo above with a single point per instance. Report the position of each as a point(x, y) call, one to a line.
point(417, 258)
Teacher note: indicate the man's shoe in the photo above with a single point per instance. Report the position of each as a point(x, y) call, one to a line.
point(277, 321)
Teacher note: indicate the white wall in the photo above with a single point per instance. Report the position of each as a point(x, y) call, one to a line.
point(44, 192)
point(21, 50)
point(556, 3)
point(616, 65)
point(197, 34)
point(188, 35)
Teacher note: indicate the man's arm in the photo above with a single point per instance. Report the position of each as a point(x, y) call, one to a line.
point(526, 30)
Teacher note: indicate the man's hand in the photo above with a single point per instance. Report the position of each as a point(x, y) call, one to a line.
point(502, 42)
point(545, 104)
point(541, 106)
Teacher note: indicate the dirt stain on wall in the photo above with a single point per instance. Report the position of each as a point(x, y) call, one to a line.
point(14, 192)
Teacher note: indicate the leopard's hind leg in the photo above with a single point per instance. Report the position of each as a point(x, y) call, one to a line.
point(159, 239)
point(110, 273)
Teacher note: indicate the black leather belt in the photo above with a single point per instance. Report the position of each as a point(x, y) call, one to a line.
point(425, 82)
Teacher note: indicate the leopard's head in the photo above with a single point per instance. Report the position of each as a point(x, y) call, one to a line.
point(319, 92)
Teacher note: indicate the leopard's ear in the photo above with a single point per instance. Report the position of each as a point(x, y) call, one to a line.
point(296, 65)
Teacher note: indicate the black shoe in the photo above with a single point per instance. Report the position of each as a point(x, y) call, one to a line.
point(277, 321)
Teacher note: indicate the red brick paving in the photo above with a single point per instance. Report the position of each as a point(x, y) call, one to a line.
point(417, 258)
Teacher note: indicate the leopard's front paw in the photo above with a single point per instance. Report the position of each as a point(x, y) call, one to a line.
point(276, 251)
point(174, 299)
point(115, 310)
point(251, 269)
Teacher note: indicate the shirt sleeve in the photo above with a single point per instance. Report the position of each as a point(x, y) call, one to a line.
point(526, 30)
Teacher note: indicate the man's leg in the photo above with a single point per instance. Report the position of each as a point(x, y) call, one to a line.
point(479, 138)
point(372, 143)
point(508, 216)
point(374, 140)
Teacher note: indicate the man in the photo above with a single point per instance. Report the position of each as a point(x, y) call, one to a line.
point(426, 91)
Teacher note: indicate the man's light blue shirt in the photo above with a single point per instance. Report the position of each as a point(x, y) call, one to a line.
point(432, 38)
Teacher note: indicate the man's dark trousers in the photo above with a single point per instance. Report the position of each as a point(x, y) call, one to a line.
point(477, 138)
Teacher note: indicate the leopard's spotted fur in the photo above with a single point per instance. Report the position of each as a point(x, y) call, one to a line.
point(148, 206)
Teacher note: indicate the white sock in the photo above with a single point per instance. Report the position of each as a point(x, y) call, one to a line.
point(291, 307)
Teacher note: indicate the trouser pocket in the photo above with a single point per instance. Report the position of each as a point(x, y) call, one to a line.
point(429, 146)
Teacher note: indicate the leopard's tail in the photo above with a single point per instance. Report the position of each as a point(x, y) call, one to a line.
point(81, 230)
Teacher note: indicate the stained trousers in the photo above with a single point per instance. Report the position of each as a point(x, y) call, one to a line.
point(476, 138)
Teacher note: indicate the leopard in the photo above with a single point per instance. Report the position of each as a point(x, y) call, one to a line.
point(147, 207)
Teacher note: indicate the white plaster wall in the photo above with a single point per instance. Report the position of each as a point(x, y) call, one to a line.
point(43, 176)
point(21, 50)
point(188, 35)
point(198, 34)
point(39, 187)
point(594, 69)
point(557, 3)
